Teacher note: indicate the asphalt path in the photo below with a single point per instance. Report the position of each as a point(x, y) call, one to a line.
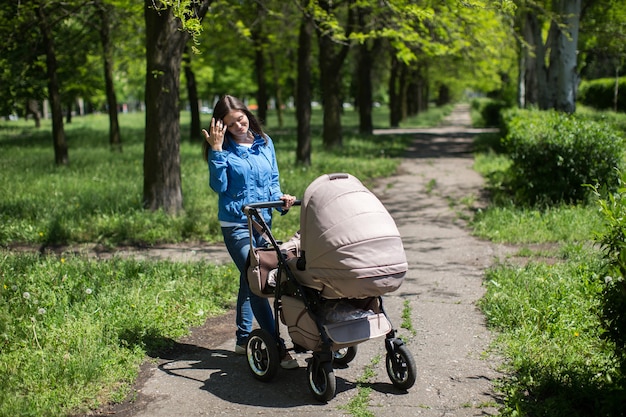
point(430, 197)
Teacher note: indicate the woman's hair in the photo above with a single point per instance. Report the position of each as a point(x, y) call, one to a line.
point(224, 106)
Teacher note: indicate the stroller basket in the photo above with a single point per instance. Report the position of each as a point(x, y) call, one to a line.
point(304, 331)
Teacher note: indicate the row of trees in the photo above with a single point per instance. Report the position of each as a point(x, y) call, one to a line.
point(400, 52)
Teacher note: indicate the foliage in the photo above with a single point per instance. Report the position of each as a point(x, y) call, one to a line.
point(600, 93)
point(554, 155)
point(601, 43)
point(70, 327)
point(488, 112)
point(612, 238)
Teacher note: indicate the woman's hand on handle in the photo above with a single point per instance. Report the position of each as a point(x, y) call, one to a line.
point(288, 201)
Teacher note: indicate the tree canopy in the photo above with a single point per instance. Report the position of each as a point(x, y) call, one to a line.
point(71, 56)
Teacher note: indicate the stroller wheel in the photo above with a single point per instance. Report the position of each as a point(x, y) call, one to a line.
point(344, 356)
point(262, 354)
point(401, 367)
point(322, 382)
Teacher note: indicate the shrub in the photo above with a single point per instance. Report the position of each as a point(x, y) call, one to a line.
point(489, 111)
point(600, 93)
point(554, 155)
point(613, 242)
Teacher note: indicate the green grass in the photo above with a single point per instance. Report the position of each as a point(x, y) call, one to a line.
point(73, 331)
point(548, 330)
point(544, 304)
point(97, 198)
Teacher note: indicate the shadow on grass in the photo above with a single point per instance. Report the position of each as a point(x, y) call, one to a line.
point(569, 395)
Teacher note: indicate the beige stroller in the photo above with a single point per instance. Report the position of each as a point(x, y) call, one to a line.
point(327, 282)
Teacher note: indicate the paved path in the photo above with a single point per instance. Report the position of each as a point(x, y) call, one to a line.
point(427, 197)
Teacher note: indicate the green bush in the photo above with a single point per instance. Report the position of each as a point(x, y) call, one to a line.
point(600, 93)
point(554, 155)
point(613, 242)
point(488, 111)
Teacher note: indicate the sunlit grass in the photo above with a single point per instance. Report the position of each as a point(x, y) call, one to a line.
point(70, 327)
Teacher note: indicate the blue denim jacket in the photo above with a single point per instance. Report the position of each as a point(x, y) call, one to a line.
point(242, 175)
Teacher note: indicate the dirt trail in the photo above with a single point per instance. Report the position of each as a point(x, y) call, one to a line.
point(427, 197)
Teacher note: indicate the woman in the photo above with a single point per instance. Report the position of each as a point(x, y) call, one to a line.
point(243, 170)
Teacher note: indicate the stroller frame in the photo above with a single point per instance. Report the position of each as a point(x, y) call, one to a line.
point(264, 350)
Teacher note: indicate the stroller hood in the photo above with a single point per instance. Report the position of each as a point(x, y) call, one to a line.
point(347, 234)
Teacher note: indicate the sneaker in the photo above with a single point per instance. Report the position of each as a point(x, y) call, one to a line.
point(240, 349)
point(288, 362)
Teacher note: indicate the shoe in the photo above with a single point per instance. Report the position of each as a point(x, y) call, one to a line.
point(288, 362)
point(240, 349)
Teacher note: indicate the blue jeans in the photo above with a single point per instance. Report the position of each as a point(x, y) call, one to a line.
point(237, 241)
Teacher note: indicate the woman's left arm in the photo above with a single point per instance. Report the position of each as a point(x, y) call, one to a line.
point(275, 190)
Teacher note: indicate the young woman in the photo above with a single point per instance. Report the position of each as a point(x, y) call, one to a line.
point(243, 170)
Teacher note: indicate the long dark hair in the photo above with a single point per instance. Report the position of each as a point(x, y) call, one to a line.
point(224, 106)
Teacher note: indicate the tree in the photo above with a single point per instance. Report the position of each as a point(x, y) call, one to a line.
point(366, 51)
point(165, 44)
point(61, 156)
point(548, 76)
point(334, 46)
point(303, 89)
point(104, 11)
point(195, 131)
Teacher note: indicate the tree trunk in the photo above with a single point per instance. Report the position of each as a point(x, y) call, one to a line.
point(533, 50)
point(61, 156)
point(364, 74)
point(331, 61)
point(32, 107)
point(259, 64)
point(68, 113)
point(261, 95)
point(566, 45)
point(195, 131)
point(364, 89)
point(279, 92)
point(165, 43)
point(115, 139)
point(550, 81)
point(303, 92)
point(331, 92)
point(403, 91)
point(394, 96)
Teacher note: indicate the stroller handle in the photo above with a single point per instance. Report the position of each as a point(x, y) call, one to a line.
point(268, 204)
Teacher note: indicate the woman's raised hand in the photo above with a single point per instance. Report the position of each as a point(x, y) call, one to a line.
point(215, 138)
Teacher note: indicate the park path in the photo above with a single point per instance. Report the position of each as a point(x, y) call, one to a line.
point(429, 198)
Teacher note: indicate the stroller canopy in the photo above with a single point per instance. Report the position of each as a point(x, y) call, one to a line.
point(347, 234)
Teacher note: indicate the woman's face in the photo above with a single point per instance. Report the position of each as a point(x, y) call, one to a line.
point(237, 123)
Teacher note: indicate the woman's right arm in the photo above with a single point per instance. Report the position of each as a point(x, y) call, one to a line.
point(218, 164)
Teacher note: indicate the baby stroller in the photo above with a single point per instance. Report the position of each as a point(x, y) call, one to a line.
point(327, 282)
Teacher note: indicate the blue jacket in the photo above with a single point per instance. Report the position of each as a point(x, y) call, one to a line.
point(242, 175)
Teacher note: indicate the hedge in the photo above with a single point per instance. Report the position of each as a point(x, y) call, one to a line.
point(556, 155)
